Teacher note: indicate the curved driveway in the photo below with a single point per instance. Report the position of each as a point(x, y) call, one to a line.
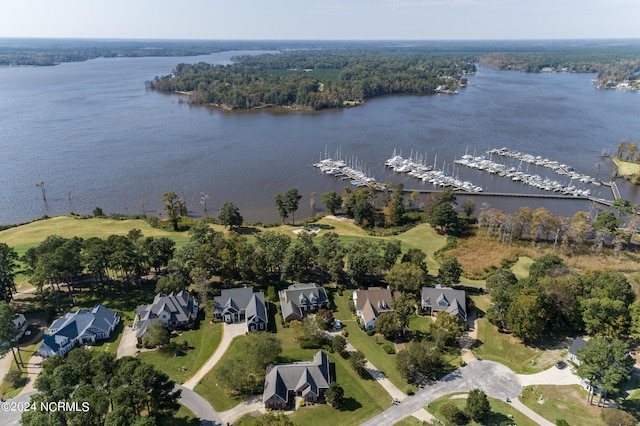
point(494, 379)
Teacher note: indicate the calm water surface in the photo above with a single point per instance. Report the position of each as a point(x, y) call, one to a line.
point(97, 137)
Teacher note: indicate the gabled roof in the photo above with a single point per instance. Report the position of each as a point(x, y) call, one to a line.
point(374, 301)
point(297, 295)
point(577, 344)
point(301, 376)
point(239, 298)
point(445, 299)
point(178, 306)
point(256, 308)
point(79, 324)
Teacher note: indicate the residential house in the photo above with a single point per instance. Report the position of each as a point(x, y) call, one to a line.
point(20, 322)
point(369, 304)
point(577, 344)
point(241, 304)
point(174, 310)
point(438, 298)
point(80, 327)
point(299, 299)
point(308, 380)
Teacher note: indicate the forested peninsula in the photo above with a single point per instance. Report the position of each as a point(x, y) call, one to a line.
point(315, 80)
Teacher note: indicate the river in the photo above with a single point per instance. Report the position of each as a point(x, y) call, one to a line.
point(97, 137)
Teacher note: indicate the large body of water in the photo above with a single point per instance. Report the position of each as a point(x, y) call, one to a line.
point(97, 137)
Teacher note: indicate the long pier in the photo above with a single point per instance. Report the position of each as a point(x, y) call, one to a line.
point(519, 195)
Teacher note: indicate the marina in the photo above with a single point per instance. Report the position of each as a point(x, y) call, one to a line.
point(416, 167)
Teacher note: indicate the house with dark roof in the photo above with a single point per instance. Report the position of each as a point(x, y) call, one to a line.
point(174, 310)
point(369, 304)
point(308, 380)
point(444, 299)
point(80, 327)
point(577, 344)
point(241, 304)
point(299, 299)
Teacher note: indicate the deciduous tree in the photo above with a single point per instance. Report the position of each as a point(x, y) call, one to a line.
point(230, 215)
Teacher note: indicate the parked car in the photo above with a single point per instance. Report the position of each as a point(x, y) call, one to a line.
point(337, 325)
point(560, 365)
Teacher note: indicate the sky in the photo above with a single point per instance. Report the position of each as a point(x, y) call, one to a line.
point(321, 20)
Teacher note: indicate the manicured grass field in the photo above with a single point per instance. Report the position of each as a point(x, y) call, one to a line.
point(562, 402)
point(626, 168)
point(409, 421)
point(220, 398)
point(364, 399)
point(500, 412)
point(371, 346)
point(184, 417)
point(111, 344)
point(204, 337)
point(521, 267)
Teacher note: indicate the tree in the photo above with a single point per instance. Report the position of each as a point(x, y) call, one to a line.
point(443, 214)
point(416, 257)
point(418, 361)
point(8, 259)
point(358, 362)
point(388, 325)
point(335, 395)
point(404, 307)
point(451, 413)
point(503, 288)
point(272, 248)
point(230, 215)
point(605, 317)
point(392, 249)
point(606, 221)
point(292, 198)
point(43, 190)
point(156, 335)
point(527, 317)
point(447, 328)
point(261, 349)
point(233, 374)
point(331, 201)
point(330, 258)
point(477, 406)
point(605, 364)
point(363, 260)
point(406, 277)
point(271, 419)
point(339, 344)
point(548, 264)
point(172, 208)
point(170, 283)
point(449, 272)
point(7, 330)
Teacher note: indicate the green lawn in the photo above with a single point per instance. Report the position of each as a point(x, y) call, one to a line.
point(220, 398)
point(521, 267)
point(184, 417)
point(371, 346)
point(562, 402)
point(409, 421)
point(364, 399)
point(626, 168)
point(204, 337)
point(500, 412)
point(111, 344)
point(342, 311)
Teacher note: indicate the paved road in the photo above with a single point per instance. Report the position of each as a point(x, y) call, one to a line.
point(494, 379)
point(10, 417)
point(200, 407)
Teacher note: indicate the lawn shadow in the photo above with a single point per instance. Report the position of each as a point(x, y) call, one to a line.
point(247, 230)
point(350, 404)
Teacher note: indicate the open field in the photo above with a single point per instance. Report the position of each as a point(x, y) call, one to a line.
point(478, 252)
point(562, 402)
point(505, 348)
point(626, 168)
point(203, 337)
point(521, 267)
point(500, 412)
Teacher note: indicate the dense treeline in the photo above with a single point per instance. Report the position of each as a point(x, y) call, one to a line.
point(293, 79)
point(612, 63)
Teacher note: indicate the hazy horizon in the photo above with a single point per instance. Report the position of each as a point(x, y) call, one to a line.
point(330, 20)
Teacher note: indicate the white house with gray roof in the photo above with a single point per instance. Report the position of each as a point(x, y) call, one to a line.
point(174, 310)
point(446, 299)
point(308, 380)
point(299, 299)
point(81, 327)
point(241, 304)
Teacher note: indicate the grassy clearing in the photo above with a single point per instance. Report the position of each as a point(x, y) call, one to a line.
point(220, 398)
point(184, 417)
point(204, 337)
point(506, 349)
point(500, 412)
point(409, 421)
point(562, 402)
point(371, 346)
point(521, 267)
point(626, 168)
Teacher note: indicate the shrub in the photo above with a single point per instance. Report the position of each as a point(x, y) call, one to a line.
point(370, 332)
point(13, 377)
point(410, 392)
point(452, 413)
point(389, 349)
